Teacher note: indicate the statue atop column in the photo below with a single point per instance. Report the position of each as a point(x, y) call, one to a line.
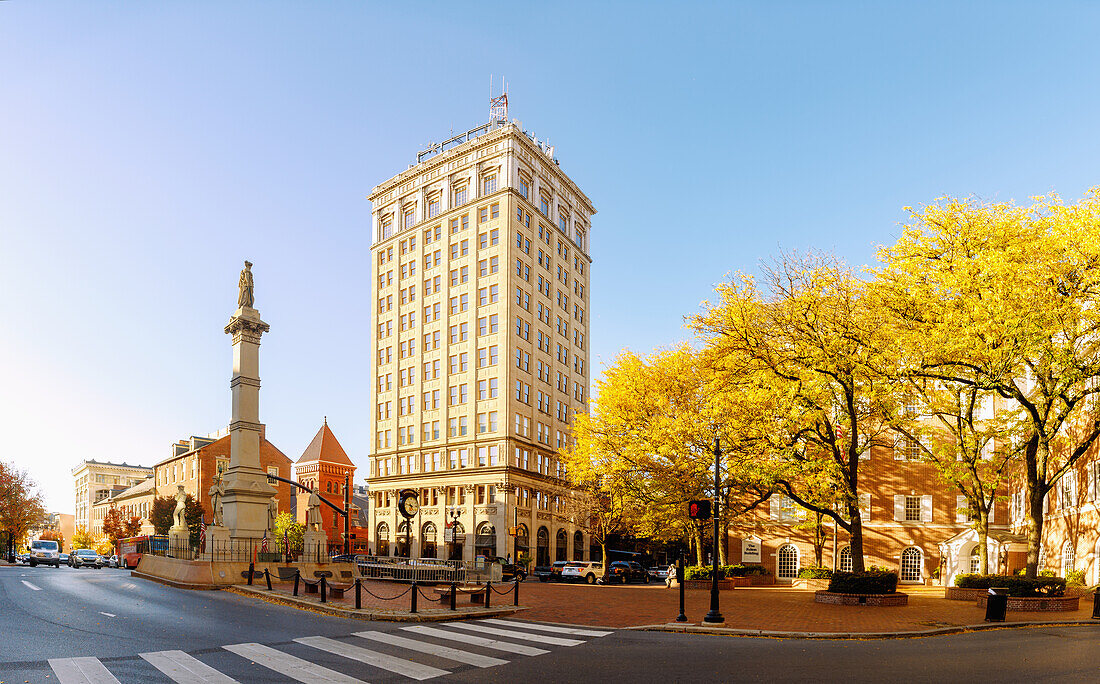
point(245, 295)
point(181, 505)
point(216, 493)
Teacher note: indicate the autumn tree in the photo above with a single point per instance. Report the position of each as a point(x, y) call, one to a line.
point(131, 527)
point(286, 524)
point(21, 506)
point(1005, 300)
point(811, 349)
point(162, 516)
point(82, 538)
point(113, 525)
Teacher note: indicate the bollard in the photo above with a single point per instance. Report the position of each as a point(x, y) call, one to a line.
point(251, 569)
point(1096, 605)
point(454, 595)
point(680, 581)
point(488, 592)
point(297, 576)
point(414, 590)
point(515, 597)
point(267, 576)
point(358, 597)
point(323, 589)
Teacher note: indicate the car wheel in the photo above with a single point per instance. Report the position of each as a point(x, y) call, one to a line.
point(646, 579)
point(33, 564)
point(590, 578)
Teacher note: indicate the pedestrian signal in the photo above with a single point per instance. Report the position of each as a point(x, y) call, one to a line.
point(699, 510)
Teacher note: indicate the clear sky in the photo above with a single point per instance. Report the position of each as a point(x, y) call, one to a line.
point(147, 149)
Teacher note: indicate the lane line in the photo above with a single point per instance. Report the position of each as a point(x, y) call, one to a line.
point(409, 668)
point(445, 652)
point(475, 640)
point(31, 586)
point(512, 634)
point(291, 666)
point(185, 669)
point(107, 614)
point(547, 628)
point(81, 671)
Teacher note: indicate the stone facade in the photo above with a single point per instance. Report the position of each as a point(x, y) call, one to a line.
point(96, 480)
point(479, 338)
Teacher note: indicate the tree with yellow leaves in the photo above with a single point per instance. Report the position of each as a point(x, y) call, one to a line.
point(1006, 299)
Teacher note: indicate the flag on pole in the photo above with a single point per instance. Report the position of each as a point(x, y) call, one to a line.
point(202, 533)
point(263, 544)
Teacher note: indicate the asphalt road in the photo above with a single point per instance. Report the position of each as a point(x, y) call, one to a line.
point(53, 623)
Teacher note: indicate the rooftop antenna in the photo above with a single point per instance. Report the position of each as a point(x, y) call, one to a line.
point(498, 106)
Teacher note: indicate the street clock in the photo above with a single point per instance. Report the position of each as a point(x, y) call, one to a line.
point(408, 503)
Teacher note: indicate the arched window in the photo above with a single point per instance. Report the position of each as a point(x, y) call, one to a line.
point(912, 563)
point(459, 539)
point(485, 541)
point(578, 546)
point(787, 562)
point(383, 543)
point(561, 546)
point(845, 564)
point(427, 544)
point(1067, 558)
point(975, 559)
point(523, 538)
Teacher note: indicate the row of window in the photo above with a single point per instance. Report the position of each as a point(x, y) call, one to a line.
point(907, 508)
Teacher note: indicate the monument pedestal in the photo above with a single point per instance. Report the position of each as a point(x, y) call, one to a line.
point(315, 547)
point(179, 542)
point(247, 494)
point(217, 543)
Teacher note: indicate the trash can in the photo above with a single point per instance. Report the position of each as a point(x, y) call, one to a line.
point(996, 604)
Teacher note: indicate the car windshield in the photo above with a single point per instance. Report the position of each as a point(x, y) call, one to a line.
point(87, 552)
point(44, 545)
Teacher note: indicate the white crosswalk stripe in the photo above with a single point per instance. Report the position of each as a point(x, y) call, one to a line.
point(185, 669)
point(291, 666)
point(546, 628)
point(445, 652)
point(81, 671)
point(513, 634)
point(32, 587)
point(401, 666)
point(475, 640)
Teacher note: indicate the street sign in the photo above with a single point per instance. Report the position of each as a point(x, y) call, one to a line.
point(699, 510)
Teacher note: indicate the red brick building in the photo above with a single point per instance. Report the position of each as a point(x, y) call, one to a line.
point(911, 523)
point(323, 465)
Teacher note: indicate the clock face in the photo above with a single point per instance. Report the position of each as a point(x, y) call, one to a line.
point(409, 505)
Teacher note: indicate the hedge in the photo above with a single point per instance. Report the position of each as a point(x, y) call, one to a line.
point(696, 572)
point(814, 572)
point(867, 582)
point(1016, 585)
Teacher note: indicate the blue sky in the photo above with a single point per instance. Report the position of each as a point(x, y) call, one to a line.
point(147, 149)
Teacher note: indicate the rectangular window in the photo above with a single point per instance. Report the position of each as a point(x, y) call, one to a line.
point(489, 184)
point(912, 509)
point(460, 196)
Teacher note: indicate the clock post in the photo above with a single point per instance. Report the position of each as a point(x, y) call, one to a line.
point(408, 503)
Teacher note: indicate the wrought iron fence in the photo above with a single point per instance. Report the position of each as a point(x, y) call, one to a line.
point(427, 570)
point(246, 550)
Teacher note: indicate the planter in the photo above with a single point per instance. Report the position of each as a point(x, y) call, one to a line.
point(761, 580)
point(740, 581)
point(837, 599)
point(1037, 604)
point(706, 584)
point(815, 584)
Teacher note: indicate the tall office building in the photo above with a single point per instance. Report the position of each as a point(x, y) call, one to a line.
point(480, 340)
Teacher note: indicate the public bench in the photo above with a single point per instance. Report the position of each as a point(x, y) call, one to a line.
point(476, 594)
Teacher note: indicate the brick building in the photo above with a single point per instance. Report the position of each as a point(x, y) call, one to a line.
point(323, 465)
point(913, 522)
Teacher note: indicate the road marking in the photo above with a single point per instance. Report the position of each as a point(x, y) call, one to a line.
point(476, 641)
point(433, 649)
point(541, 638)
point(107, 614)
point(32, 586)
point(401, 666)
point(81, 671)
point(185, 669)
point(129, 585)
point(546, 628)
point(286, 664)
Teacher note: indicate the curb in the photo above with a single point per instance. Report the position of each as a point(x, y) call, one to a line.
point(770, 634)
point(364, 614)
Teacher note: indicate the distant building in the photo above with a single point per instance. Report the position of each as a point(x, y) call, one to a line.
point(324, 465)
point(96, 480)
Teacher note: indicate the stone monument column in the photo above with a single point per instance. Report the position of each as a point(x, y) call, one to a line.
point(247, 492)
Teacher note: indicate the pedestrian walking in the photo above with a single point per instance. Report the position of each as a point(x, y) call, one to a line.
point(671, 576)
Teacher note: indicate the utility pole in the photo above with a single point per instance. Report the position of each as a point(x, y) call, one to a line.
point(715, 615)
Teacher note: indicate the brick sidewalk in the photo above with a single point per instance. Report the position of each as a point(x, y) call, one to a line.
point(763, 608)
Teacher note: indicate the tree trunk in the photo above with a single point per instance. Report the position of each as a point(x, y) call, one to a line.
point(819, 540)
point(1035, 496)
point(606, 562)
point(982, 528)
point(697, 536)
point(723, 536)
point(856, 538)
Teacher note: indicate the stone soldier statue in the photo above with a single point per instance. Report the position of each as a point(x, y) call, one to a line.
point(244, 287)
point(216, 493)
point(272, 513)
point(181, 504)
point(313, 511)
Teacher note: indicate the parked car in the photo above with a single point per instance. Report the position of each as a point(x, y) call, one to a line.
point(509, 571)
point(580, 571)
point(548, 573)
point(46, 552)
point(109, 561)
point(659, 572)
point(64, 558)
point(23, 558)
point(627, 571)
point(85, 558)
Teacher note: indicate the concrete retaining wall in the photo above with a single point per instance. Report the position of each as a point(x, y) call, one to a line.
point(219, 573)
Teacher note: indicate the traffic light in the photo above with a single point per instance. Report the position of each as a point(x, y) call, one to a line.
point(699, 510)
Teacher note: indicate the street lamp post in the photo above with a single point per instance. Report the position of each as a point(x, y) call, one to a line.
point(715, 615)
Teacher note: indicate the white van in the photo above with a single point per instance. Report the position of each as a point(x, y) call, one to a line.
point(45, 551)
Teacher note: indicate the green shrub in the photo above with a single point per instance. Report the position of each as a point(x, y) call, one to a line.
point(1075, 578)
point(868, 582)
point(1016, 585)
point(745, 570)
point(697, 572)
point(815, 572)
